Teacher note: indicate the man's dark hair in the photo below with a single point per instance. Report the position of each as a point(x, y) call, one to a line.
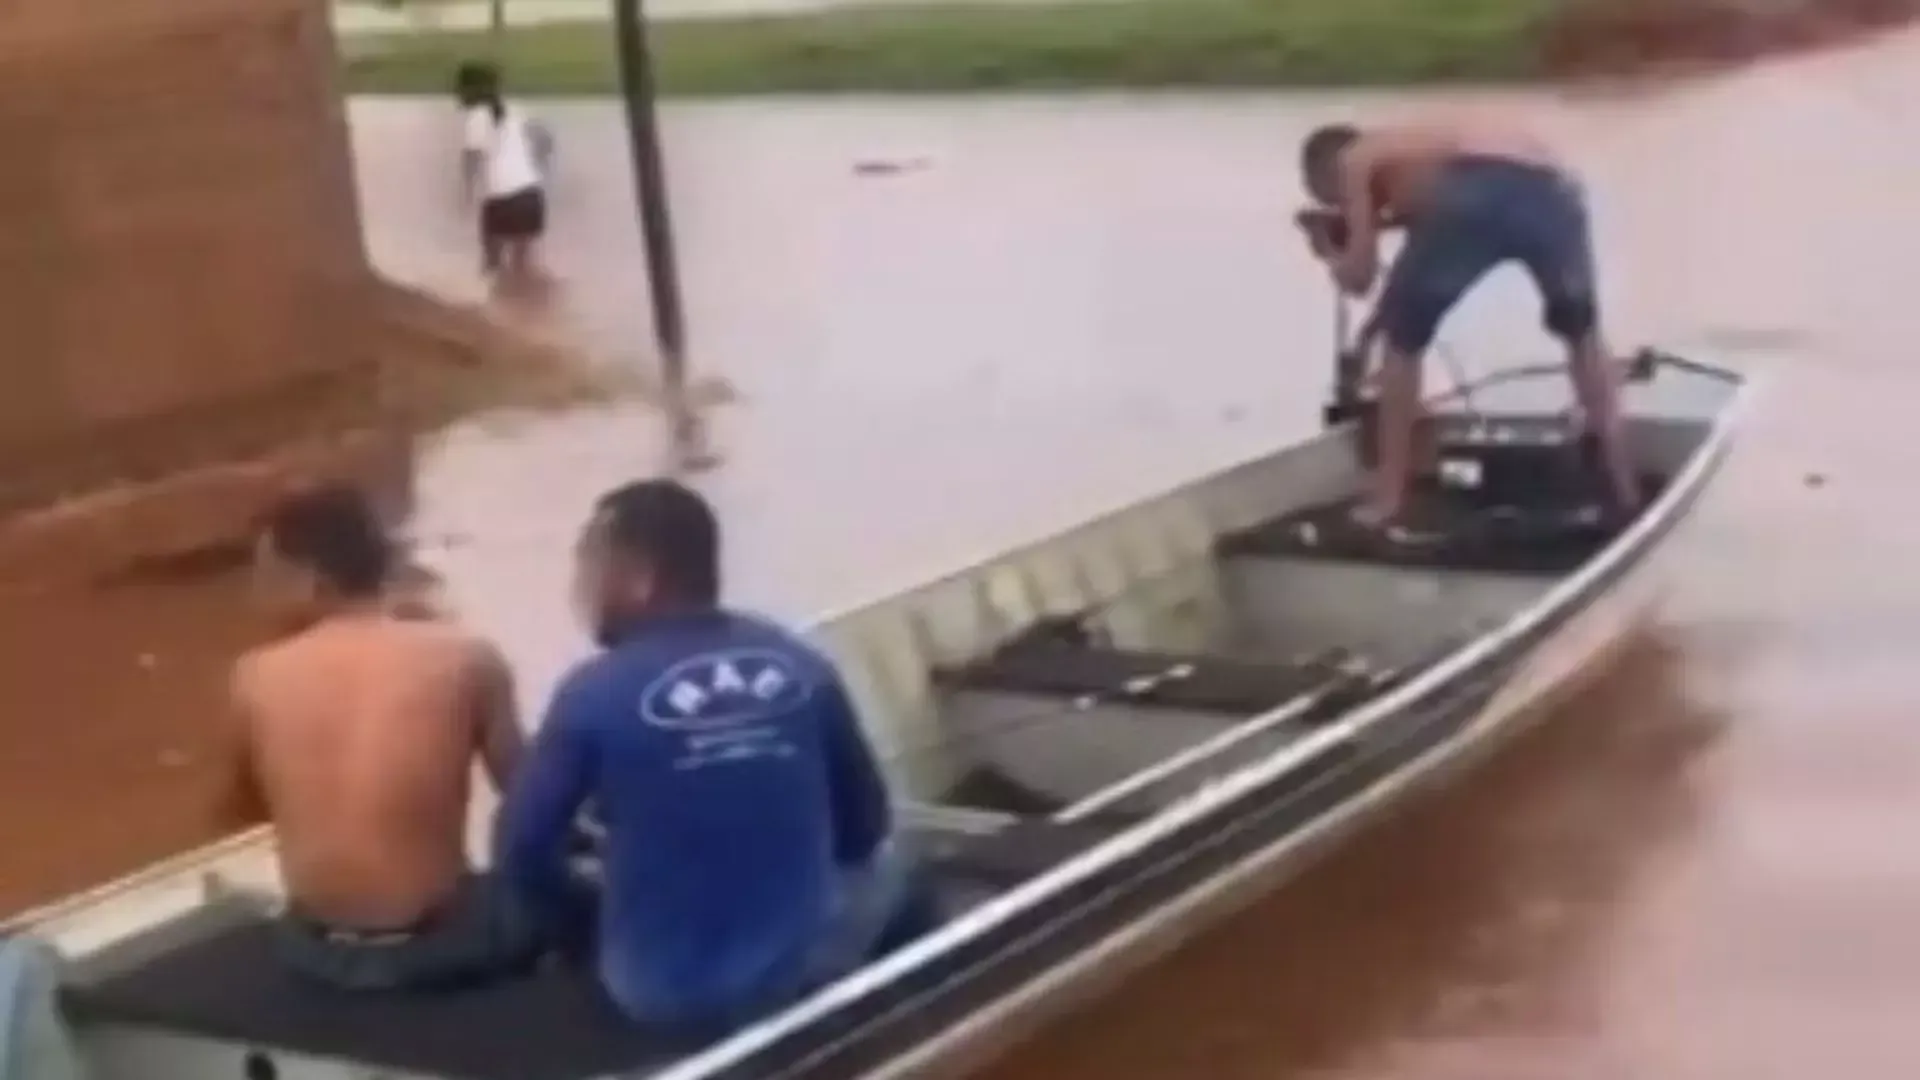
point(673, 529)
point(477, 82)
point(1320, 158)
point(334, 532)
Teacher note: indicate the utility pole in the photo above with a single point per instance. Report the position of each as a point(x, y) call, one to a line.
point(656, 229)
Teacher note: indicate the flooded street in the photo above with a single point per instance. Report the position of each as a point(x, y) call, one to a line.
point(1701, 871)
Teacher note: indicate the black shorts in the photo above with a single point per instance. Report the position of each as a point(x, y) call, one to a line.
point(519, 216)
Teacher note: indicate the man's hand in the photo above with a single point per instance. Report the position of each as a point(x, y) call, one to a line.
point(1355, 269)
point(1330, 235)
point(1325, 231)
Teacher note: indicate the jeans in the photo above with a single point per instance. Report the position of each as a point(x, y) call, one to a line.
point(868, 908)
point(875, 907)
point(482, 934)
point(1482, 212)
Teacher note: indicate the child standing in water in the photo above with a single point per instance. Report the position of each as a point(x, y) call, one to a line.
point(503, 156)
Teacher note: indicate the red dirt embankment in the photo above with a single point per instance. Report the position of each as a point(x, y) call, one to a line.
point(1633, 37)
point(120, 611)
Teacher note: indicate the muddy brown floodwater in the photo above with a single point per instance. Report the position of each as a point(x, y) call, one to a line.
point(109, 749)
point(1702, 870)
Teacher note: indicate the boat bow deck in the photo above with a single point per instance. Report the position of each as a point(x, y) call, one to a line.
point(213, 976)
point(223, 983)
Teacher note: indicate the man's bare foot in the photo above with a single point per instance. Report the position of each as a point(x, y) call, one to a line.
point(1623, 508)
point(1371, 515)
point(1383, 522)
point(531, 291)
point(693, 459)
point(690, 450)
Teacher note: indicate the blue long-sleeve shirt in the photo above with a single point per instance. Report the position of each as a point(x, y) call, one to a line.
point(725, 761)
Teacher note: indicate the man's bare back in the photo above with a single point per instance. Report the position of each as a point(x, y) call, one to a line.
point(360, 729)
point(1404, 160)
point(363, 731)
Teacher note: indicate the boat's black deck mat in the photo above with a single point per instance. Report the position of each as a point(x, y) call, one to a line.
point(228, 985)
point(1440, 531)
point(222, 981)
point(1166, 680)
point(986, 788)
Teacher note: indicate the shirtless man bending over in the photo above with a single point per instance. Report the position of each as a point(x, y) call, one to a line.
point(1470, 198)
point(360, 728)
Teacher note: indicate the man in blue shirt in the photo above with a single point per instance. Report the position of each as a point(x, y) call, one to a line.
point(747, 856)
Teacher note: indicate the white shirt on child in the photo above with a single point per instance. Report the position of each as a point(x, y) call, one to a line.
point(505, 146)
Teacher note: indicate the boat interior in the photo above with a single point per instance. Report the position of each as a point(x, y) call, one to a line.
point(1033, 707)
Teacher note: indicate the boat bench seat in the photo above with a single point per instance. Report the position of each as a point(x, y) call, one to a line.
point(214, 974)
point(1023, 849)
point(1165, 680)
point(222, 981)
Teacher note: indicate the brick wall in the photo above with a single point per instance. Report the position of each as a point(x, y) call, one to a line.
point(181, 272)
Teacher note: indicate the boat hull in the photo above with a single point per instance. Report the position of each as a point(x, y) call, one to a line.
point(1481, 718)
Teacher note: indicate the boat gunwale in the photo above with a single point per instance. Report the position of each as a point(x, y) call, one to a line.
point(205, 860)
point(1700, 464)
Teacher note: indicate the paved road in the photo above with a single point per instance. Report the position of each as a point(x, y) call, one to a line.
point(351, 19)
point(362, 18)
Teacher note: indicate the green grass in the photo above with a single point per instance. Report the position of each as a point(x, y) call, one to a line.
point(1093, 43)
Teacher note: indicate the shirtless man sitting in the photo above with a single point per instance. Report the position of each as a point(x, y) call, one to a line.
point(1470, 199)
point(360, 728)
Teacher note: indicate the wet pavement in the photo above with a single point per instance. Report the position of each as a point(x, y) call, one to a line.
point(1700, 871)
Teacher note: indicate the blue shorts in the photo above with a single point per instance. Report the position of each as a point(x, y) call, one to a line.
point(1482, 212)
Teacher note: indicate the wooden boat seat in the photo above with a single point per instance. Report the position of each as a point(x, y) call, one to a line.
point(1166, 680)
point(1441, 531)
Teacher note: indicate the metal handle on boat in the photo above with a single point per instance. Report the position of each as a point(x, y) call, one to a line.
point(1349, 353)
point(1640, 367)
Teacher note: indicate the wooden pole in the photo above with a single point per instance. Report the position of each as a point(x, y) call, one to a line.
point(638, 92)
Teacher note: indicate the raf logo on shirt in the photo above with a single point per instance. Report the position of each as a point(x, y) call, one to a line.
point(722, 704)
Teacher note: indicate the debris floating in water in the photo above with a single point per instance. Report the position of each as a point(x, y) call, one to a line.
point(889, 166)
